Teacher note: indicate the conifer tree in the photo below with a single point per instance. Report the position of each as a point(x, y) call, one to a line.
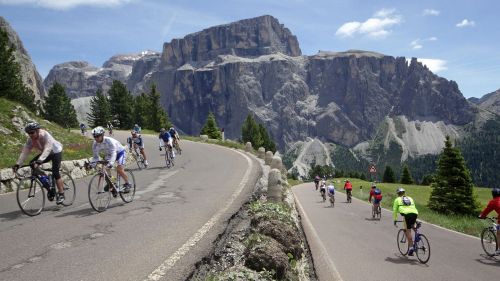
point(389, 175)
point(157, 117)
point(267, 142)
point(406, 177)
point(142, 110)
point(121, 104)
point(58, 107)
point(210, 129)
point(100, 110)
point(11, 84)
point(251, 132)
point(452, 190)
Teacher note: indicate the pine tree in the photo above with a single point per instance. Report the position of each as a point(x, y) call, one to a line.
point(452, 190)
point(267, 142)
point(406, 177)
point(157, 117)
point(210, 129)
point(121, 102)
point(58, 107)
point(389, 175)
point(141, 110)
point(11, 83)
point(250, 131)
point(100, 110)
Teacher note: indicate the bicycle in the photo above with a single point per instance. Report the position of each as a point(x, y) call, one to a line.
point(420, 245)
point(349, 195)
point(169, 157)
point(323, 194)
point(177, 147)
point(332, 200)
point(139, 159)
point(489, 238)
point(102, 186)
point(376, 211)
point(34, 202)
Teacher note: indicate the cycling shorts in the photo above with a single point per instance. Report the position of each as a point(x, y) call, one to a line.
point(376, 201)
point(410, 219)
point(120, 158)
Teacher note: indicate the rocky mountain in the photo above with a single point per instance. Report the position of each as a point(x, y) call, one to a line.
point(30, 75)
point(490, 102)
point(80, 79)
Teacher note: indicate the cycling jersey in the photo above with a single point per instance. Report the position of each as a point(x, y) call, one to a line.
point(173, 133)
point(45, 143)
point(348, 186)
point(331, 189)
point(165, 137)
point(137, 140)
point(402, 208)
point(113, 149)
point(493, 205)
point(376, 197)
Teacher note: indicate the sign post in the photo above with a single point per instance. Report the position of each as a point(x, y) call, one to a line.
point(373, 170)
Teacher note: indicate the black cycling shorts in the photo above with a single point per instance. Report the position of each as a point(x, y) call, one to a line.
point(410, 219)
point(56, 159)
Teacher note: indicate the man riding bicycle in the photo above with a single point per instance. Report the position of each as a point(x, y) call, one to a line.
point(110, 128)
point(322, 188)
point(316, 181)
point(493, 205)
point(166, 140)
point(51, 151)
point(405, 206)
point(175, 136)
point(377, 196)
point(137, 141)
point(348, 188)
point(331, 191)
point(114, 152)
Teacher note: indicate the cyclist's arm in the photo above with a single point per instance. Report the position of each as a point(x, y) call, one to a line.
point(24, 153)
point(370, 198)
point(490, 207)
point(395, 207)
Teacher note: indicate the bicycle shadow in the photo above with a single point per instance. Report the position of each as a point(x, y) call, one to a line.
point(487, 260)
point(10, 216)
point(405, 260)
point(372, 219)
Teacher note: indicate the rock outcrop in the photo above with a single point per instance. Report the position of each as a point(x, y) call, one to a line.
point(30, 75)
point(490, 102)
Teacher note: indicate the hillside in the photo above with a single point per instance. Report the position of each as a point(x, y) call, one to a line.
point(13, 117)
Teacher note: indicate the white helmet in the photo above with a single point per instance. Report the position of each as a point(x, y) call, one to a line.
point(98, 131)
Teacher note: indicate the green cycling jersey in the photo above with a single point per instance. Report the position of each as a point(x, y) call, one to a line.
point(399, 207)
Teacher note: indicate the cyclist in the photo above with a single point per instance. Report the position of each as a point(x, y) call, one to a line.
point(316, 181)
point(322, 188)
point(83, 128)
point(175, 136)
point(166, 140)
point(137, 141)
point(137, 128)
point(493, 205)
point(406, 207)
point(377, 196)
point(114, 151)
point(51, 151)
point(348, 188)
point(331, 191)
point(110, 128)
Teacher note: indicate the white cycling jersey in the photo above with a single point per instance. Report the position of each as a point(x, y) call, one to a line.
point(111, 148)
point(45, 143)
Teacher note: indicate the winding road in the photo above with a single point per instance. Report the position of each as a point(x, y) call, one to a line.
point(176, 215)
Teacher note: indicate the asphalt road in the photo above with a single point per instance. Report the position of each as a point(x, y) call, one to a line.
point(365, 249)
point(176, 215)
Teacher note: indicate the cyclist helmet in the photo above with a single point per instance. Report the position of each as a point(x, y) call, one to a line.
point(31, 126)
point(400, 190)
point(133, 132)
point(162, 130)
point(374, 186)
point(98, 131)
point(495, 192)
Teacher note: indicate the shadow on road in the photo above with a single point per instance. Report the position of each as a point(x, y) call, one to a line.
point(10, 216)
point(487, 260)
point(78, 213)
point(372, 219)
point(404, 260)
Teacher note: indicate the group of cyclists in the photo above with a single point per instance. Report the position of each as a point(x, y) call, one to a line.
point(114, 152)
point(404, 205)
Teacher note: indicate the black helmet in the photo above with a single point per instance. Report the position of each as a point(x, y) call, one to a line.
point(495, 192)
point(31, 126)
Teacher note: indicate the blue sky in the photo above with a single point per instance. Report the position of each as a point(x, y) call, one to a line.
point(458, 40)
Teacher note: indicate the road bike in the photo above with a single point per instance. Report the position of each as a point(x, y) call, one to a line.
point(139, 159)
point(177, 147)
point(30, 191)
point(316, 184)
point(349, 195)
point(102, 186)
point(323, 194)
point(169, 156)
point(332, 200)
point(489, 238)
point(376, 211)
point(420, 245)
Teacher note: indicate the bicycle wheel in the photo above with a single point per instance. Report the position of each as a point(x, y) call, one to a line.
point(332, 201)
point(423, 249)
point(402, 245)
point(30, 196)
point(379, 212)
point(140, 161)
point(489, 241)
point(69, 189)
point(324, 196)
point(374, 213)
point(172, 159)
point(129, 196)
point(99, 198)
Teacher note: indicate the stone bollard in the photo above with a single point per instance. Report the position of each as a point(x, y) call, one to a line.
point(276, 163)
point(269, 157)
point(274, 188)
point(261, 153)
point(248, 147)
point(204, 138)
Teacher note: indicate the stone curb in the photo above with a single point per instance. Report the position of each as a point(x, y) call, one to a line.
point(323, 265)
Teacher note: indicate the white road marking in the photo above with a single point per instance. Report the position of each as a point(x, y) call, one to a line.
point(161, 270)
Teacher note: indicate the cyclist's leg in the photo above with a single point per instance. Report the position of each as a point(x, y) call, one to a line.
point(120, 168)
point(170, 144)
point(56, 166)
point(410, 220)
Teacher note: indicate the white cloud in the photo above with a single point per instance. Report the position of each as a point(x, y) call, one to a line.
point(432, 39)
point(435, 65)
point(415, 44)
point(465, 23)
point(375, 27)
point(431, 12)
point(65, 4)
